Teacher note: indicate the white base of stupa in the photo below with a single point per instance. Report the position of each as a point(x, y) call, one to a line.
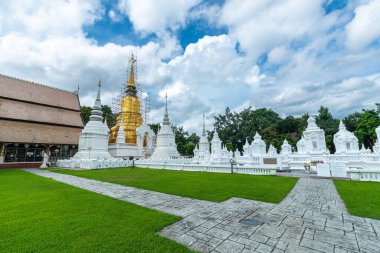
point(123, 150)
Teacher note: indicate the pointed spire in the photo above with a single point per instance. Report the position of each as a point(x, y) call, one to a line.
point(131, 81)
point(96, 113)
point(311, 122)
point(204, 129)
point(77, 91)
point(341, 125)
point(120, 134)
point(166, 100)
point(166, 114)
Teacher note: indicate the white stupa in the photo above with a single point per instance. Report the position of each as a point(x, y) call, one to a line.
point(216, 145)
point(313, 140)
point(258, 146)
point(202, 153)
point(286, 149)
point(376, 147)
point(345, 142)
point(272, 151)
point(93, 141)
point(166, 146)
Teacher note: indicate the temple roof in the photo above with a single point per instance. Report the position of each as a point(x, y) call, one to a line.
point(40, 114)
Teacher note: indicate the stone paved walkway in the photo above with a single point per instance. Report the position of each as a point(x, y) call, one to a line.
point(312, 218)
point(167, 203)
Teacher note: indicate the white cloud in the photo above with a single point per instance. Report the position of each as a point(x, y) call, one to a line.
point(207, 76)
point(115, 16)
point(279, 55)
point(156, 16)
point(44, 19)
point(262, 25)
point(364, 27)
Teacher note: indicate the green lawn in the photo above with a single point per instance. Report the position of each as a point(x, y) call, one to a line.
point(199, 185)
point(361, 198)
point(41, 215)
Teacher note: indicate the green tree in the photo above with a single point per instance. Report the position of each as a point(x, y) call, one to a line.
point(368, 121)
point(106, 113)
point(352, 120)
point(155, 127)
point(85, 112)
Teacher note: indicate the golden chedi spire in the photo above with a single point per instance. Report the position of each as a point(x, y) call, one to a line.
point(129, 109)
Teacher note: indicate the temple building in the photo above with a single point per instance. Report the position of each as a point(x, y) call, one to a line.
point(35, 119)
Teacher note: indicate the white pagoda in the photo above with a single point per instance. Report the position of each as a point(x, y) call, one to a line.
point(93, 141)
point(166, 147)
point(345, 142)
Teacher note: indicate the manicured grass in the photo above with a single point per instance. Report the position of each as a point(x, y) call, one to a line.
point(361, 198)
point(41, 215)
point(199, 185)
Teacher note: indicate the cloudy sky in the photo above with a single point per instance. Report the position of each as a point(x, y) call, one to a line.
point(291, 56)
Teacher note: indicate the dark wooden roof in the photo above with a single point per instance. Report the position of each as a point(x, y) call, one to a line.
point(34, 108)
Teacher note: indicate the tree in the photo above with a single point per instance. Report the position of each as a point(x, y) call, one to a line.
point(368, 121)
point(235, 128)
point(85, 112)
point(185, 143)
point(155, 127)
point(106, 113)
point(352, 120)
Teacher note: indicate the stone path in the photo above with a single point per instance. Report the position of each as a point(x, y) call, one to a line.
point(167, 203)
point(312, 218)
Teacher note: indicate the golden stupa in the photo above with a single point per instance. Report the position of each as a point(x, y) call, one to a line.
point(130, 110)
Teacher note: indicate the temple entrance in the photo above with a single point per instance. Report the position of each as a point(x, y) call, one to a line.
point(23, 153)
point(145, 142)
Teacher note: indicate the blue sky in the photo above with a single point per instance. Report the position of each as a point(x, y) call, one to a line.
point(291, 56)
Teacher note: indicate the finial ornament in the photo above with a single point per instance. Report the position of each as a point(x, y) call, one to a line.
point(166, 100)
point(166, 114)
point(131, 81)
point(204, 129)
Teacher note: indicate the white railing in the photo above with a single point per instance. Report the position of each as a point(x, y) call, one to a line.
point(364, 175)
point(259, 170)
point(94, 163)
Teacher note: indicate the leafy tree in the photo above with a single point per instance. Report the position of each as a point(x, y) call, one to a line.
point(352, 120)
point(377, 108)
point(185, 143)
point(155, 127)
point(193, 138)
point(288, 125)
point(368, 121)
point(85, 112)
point(107, 114)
